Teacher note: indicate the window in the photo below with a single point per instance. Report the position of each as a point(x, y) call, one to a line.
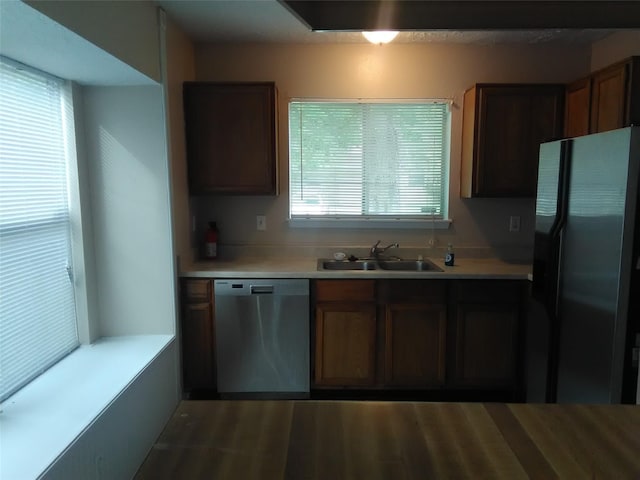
point(37, 307)
point(368, 160)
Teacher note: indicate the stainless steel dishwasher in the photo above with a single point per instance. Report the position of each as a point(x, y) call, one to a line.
point(262, 338)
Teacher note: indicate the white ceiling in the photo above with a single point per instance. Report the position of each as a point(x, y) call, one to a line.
point(267, 21)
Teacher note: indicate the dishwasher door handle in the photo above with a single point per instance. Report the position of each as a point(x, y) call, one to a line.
point(261, 289)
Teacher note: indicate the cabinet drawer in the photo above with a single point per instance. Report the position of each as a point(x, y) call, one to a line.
point(487, 291)
point(345, 290)
point(412, 291)
point(197, 291)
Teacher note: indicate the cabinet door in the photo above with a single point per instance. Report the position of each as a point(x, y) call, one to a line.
point(500, 159)
point(231, 137)
point(415, 345)
point(198, 367)
point(578, 102)
point(345, 344)
point(608, 99)
point(504, 141)
point(486, 345)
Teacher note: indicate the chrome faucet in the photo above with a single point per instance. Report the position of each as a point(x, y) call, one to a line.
point(376, 251)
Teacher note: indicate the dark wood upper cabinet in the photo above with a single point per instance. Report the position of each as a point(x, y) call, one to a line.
point(577, 108)
point(605, 100)
point(502, 128)
point(231, 137)
point(615, 96)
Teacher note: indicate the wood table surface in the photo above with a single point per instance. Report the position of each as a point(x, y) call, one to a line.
point(308, 439)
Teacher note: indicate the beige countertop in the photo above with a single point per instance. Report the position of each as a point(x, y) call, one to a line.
point(253, 267)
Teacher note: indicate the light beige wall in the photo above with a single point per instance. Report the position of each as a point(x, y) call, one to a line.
point(371, 71)
point(180, 68)
point(126, 29)
point(615, 47)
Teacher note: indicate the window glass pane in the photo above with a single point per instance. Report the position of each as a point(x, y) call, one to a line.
point(37, 308)
point(367, 159)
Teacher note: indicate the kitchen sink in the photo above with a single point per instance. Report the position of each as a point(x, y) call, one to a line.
point(409, 265)
point(395, 265)
point(325, 264)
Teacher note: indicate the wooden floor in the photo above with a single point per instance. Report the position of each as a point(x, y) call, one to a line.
point(301, 440)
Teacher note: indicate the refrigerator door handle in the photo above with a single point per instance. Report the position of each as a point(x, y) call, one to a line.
point(553, 312)
point(556, 232)
point(563, 187)
point(555, 272)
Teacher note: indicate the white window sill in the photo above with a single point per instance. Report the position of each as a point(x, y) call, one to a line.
point(371, 223)
point(41, 420)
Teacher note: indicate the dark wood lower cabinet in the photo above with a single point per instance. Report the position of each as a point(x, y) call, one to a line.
point(486, 335)
point(197, 336)
point(345, 344)
point(486, 345)
point(415, 337)
point(387, 335)
point(345, 333)
point(440, 336)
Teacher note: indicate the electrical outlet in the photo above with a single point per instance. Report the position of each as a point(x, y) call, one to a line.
point(514, 223)
point(261, 222)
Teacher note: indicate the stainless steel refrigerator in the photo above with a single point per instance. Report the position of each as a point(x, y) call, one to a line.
point(586, 269)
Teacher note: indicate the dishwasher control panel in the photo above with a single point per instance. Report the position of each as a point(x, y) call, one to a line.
point(262, 286)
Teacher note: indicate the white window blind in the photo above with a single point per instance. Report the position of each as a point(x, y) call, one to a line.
point(37, 308)
point(367, 159)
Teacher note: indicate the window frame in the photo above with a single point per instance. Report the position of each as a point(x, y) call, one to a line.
point(409, 221)
point(72, 216)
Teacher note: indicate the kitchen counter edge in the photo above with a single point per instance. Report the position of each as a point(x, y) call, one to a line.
point(465, 268)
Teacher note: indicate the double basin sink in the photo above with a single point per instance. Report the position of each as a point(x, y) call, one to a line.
point(373, 264)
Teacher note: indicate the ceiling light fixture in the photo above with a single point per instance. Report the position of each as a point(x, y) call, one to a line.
point(380, 36)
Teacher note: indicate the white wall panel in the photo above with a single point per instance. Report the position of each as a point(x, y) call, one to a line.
point(128, 175)
point(126, 30)
point(117, 442)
